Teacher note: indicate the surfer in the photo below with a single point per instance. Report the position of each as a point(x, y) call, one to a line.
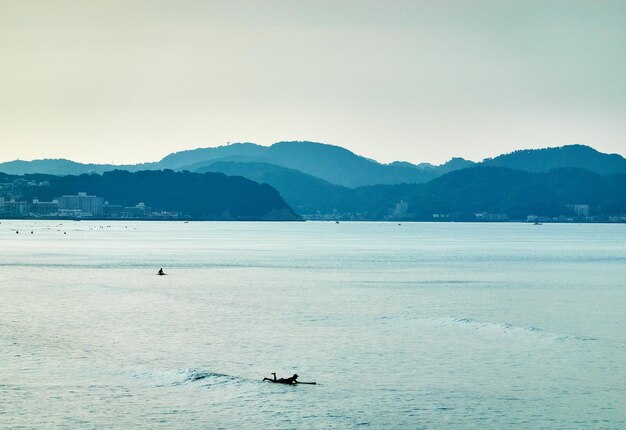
point(161, 272)
point(292, 380)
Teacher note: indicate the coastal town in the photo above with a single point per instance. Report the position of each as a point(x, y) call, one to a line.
point(85, 206)
point(17, 201)
point(574, 213)
point(80, 206)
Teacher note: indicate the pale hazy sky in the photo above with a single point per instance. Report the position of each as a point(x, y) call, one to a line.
point(129, 81)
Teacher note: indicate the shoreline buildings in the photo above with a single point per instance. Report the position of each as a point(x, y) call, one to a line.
point(80, 206)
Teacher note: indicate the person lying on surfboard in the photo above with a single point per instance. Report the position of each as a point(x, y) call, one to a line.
point(288, 381)
point(292, 380)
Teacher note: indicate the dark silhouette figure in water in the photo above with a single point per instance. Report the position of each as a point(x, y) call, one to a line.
point(292, 380)
point(161, 272)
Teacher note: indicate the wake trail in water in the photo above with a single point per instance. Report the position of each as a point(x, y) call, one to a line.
point(176, 377)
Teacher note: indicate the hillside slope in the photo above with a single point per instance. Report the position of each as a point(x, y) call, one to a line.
point(209, 196)
point(569, 156)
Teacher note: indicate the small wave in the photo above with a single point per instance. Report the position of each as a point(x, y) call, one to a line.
point(497, 328)
point(505, 327)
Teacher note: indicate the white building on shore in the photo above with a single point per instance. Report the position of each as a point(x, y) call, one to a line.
point(81, 205)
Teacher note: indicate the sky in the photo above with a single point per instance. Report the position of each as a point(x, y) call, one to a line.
point(125, 81)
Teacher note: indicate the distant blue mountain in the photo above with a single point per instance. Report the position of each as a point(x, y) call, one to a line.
point(340, 166)
point(576, 156)
point(192, 159)
point(305, 194)
point(60, 166)
point(51, 166)
point(330, 163)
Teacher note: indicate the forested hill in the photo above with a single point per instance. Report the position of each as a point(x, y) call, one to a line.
point(464, 193)
point(209, 196)
point(306, 194)
point(518, 194)
point(460, 194)
point(577, 156)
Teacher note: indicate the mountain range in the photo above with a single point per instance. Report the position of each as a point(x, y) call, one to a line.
point(315, 178)
point(337, 165)
point(331, 163)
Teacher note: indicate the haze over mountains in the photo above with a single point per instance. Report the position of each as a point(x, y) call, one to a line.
point(321, 179)
point(331, 163)
point(336, 164)
point(543, 160)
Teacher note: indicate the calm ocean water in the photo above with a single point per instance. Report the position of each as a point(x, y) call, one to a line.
point(484, 326)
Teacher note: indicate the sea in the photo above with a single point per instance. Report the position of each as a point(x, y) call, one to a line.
point(401, 325)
